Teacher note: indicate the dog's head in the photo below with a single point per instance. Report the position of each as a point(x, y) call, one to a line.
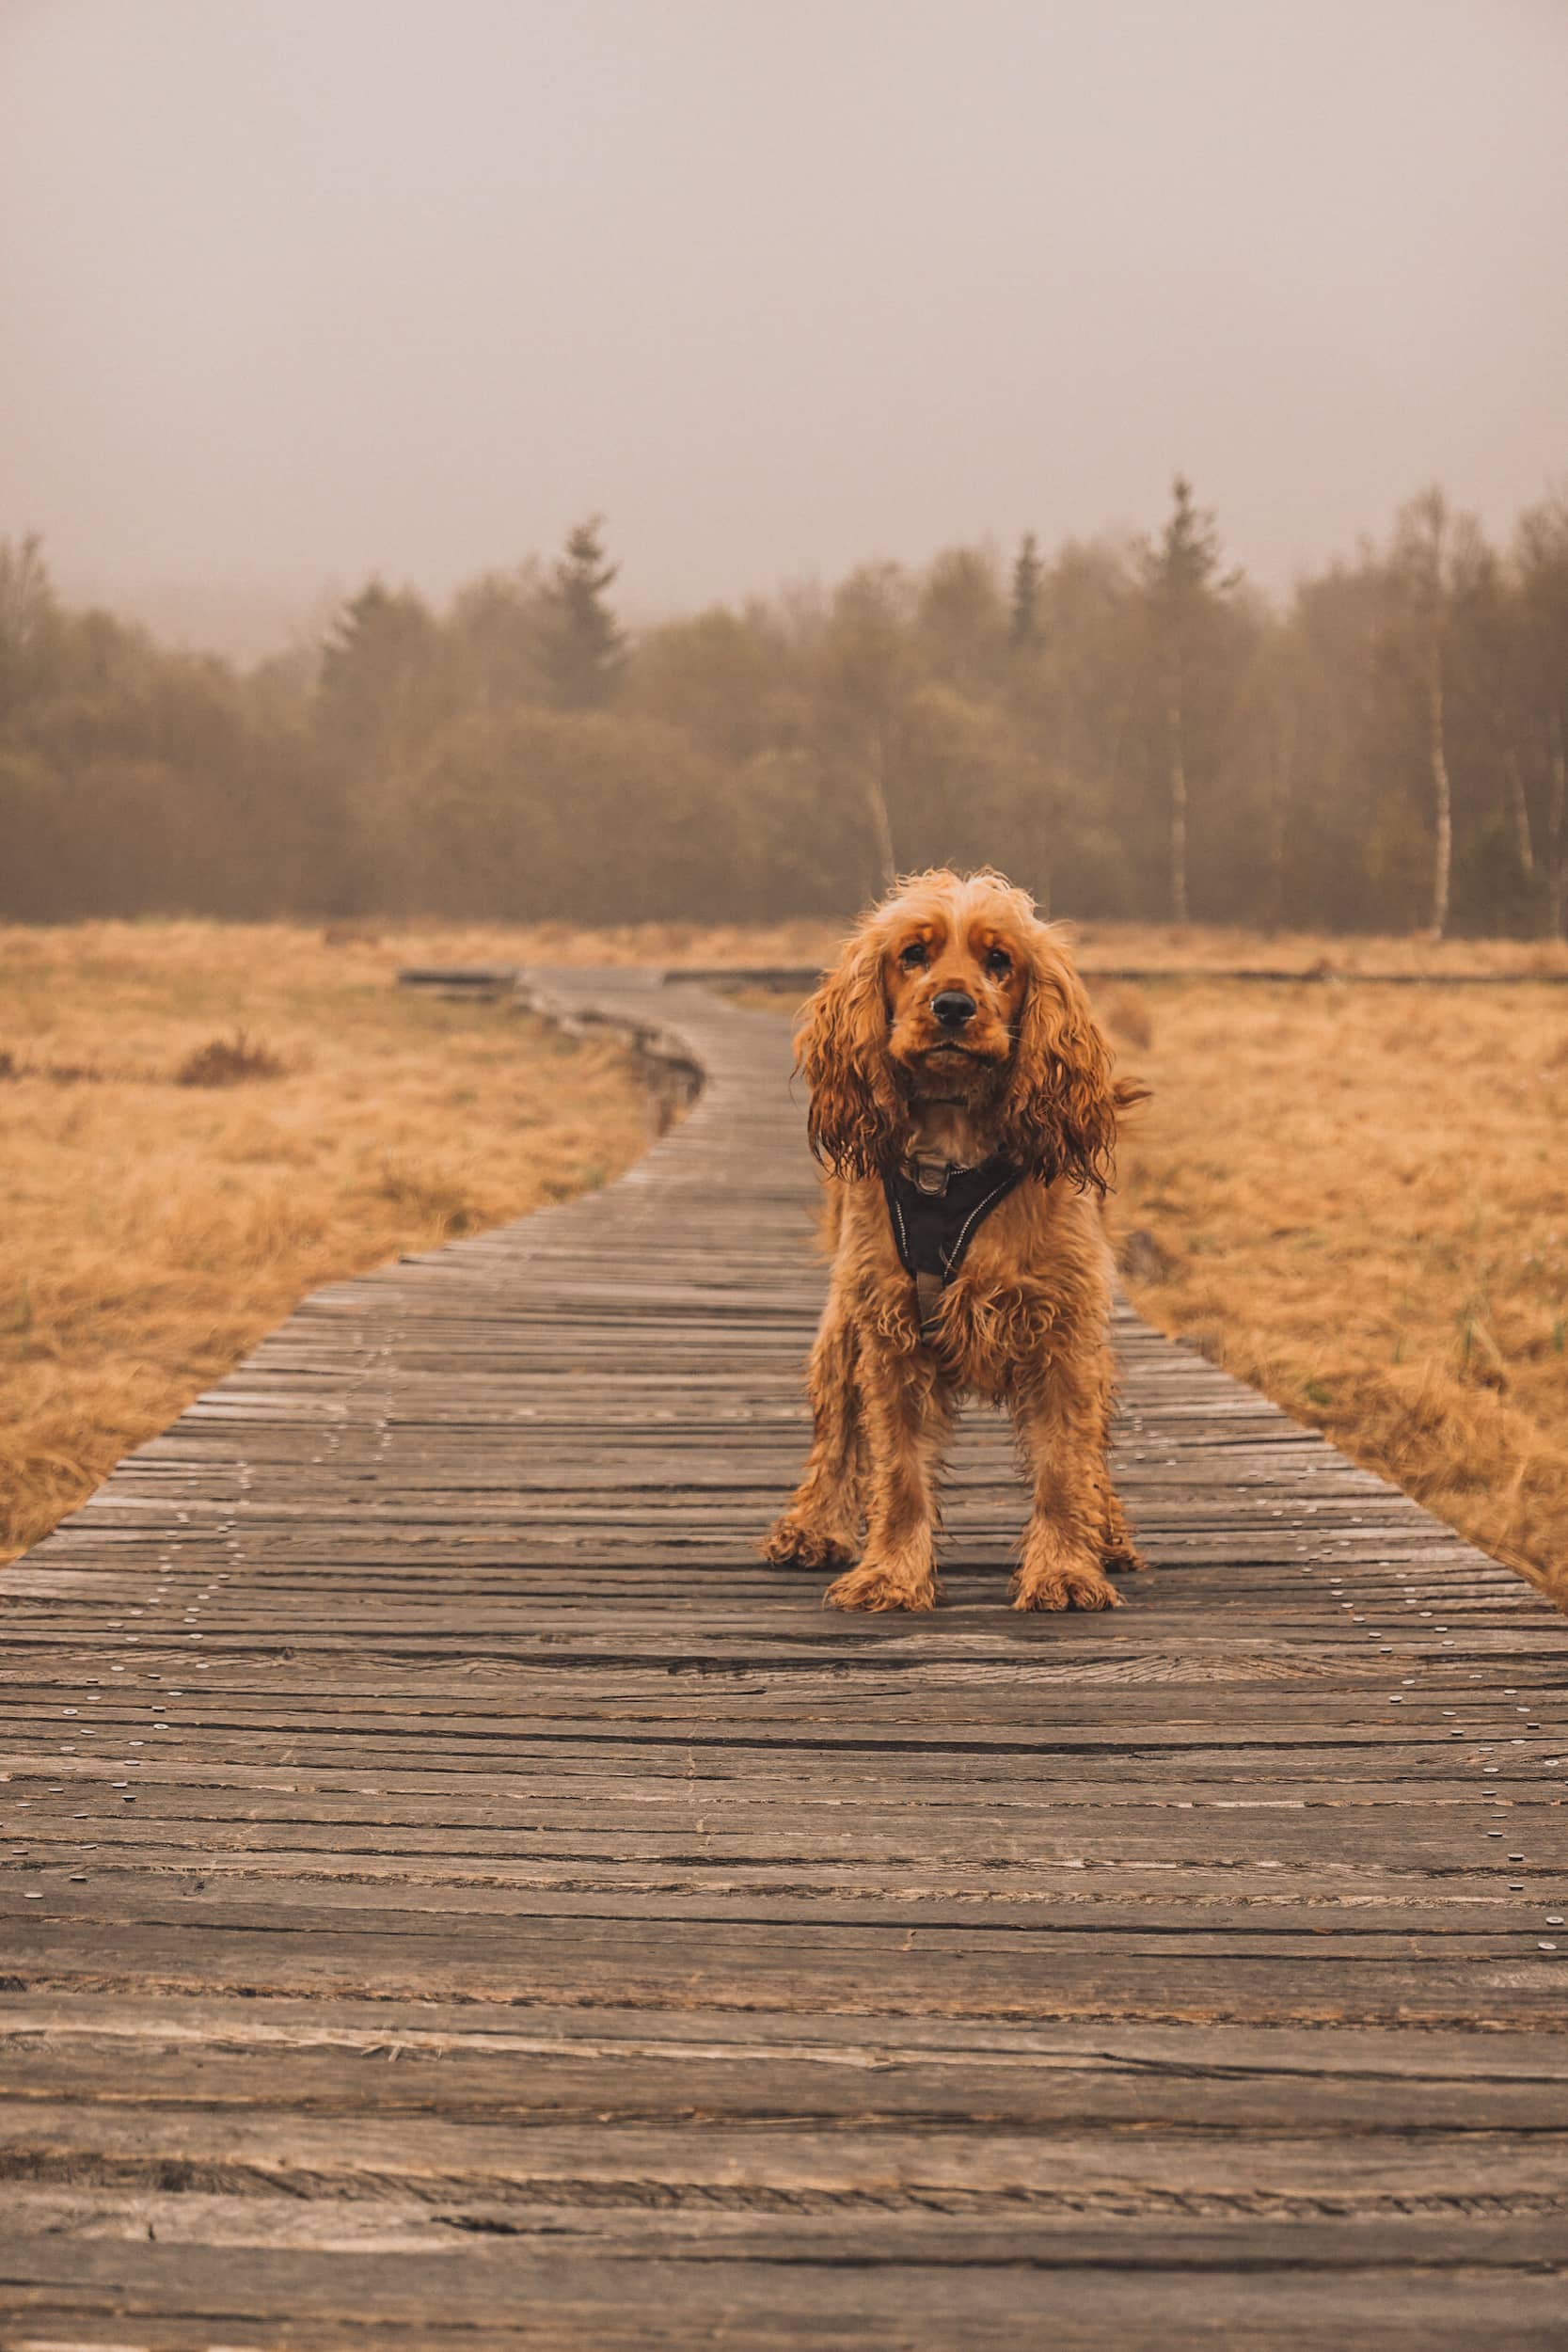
point(954, 991)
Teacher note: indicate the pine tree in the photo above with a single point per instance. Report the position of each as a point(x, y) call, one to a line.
point(587, 648)
point(1028, 572)
point(378, 670)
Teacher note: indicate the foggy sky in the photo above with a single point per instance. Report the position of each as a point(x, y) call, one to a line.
point(293, 290)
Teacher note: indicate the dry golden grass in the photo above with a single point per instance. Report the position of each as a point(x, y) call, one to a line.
point(1161, 946)
point(1355, 1200)
point(201, 1123)
point(1101, 947)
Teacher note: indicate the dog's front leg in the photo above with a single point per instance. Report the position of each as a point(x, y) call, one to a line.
point(906, 1414)
point(1062, 1440)
point(820, 1529)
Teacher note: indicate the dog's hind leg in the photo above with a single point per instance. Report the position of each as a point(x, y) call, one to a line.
point(820, 1526)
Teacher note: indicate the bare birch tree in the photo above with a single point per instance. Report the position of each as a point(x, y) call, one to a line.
point(1181, 590)
point(1423, 559)
point(1541, 568)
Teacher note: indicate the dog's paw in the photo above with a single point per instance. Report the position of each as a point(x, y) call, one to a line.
point(791, 1543)
point(1064, 1588)
point(872, 1588)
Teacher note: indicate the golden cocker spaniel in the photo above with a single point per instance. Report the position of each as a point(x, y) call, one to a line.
point(962, 1101)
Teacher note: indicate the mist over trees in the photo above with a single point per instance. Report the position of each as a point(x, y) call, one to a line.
point(1127, 727)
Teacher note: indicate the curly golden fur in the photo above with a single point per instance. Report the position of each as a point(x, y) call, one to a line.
point(1025, 1073)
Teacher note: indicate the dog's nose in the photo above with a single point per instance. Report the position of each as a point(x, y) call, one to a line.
point(953, 1006)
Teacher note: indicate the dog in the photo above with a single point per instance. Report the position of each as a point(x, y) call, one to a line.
point(963, 1104)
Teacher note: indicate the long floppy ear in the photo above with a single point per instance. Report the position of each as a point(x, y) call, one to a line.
point(841, 1049)
point(1059, 1113)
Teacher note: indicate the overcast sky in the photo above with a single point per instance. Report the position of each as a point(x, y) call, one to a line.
point(295, 289)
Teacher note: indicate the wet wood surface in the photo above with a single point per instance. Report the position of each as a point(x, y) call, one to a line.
point(451, 1892)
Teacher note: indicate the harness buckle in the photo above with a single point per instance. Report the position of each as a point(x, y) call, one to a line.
point(931, 1177)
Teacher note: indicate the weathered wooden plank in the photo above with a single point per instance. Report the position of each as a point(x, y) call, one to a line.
point(1096, 2291)
point(986, 2167)
point(588, 2085)
point(451, 1890)
point(1494, 1985)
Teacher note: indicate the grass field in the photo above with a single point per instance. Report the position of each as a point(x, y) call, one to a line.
point(1355, 1198)
point(1102, 946)
point(1352, 1197)
point(154, 1229)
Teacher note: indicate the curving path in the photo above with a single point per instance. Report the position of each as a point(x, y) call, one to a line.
point(453, 1894)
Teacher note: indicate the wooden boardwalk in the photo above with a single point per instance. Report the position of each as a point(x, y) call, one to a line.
point(453, 1894)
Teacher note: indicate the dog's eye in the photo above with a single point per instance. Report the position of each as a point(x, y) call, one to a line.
point(913, 957)
point(999, 962)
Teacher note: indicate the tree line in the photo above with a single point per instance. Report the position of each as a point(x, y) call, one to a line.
point(1125, 726)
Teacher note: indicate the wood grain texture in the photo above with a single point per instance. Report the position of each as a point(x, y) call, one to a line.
point(452, 1891)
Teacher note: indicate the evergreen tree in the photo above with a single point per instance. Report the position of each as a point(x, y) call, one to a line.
point(1028, 572)
point(377, 678)
point(586, 649)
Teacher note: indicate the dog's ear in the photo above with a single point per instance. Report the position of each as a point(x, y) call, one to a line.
point(841, 1049)
point(1059, 1113)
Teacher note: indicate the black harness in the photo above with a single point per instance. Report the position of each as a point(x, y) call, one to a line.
point(936, 1210)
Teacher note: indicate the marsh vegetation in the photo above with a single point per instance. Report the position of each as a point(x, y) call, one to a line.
point(202, 1123)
